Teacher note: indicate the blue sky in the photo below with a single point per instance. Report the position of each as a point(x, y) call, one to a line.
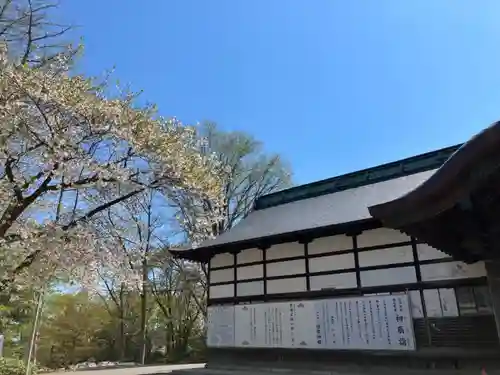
point(332, 85)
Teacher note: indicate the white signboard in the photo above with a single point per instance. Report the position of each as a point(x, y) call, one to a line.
point(249, 325)
point(369, 323)
point(1, 345)
point(303, 325)
point(220, 330)
point(362, 323)
point(275, 325)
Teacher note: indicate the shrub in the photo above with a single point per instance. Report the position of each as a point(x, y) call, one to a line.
point(13, 366)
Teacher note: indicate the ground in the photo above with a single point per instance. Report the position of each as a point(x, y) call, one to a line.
point(149, 370)
point(134, 370)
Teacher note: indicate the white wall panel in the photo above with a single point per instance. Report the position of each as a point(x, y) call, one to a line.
point(417, 309)
point(330, 263)
point(432, 303)
point(220, 326)
point(329, 244)
point(448, 302)
point(250, 288)
point(336, 281)
point(222, 291)
point(451, 270)
point(289, 267)
point(381, 236)
point(250, 272)
point(249, 255)
point(285, 250)
point(385, 256)
point(440, 302)
point(222, 260)
point(219, 276)
point(400, 275)
point(426, 252)
point(297, 284)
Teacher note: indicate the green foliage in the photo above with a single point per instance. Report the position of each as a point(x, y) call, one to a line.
point(70, 330)
point(16, 313)
point(13, 366)
point(78, 328)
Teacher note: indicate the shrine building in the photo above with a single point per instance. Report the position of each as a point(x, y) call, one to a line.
point(397, 260)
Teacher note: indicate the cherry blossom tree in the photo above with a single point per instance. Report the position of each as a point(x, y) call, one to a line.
point(74, 149)
point(33, 33)
point(63, 141)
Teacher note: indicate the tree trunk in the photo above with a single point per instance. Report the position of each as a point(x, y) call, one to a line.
point(122, 324)
point(144, 311)
point(145, 269)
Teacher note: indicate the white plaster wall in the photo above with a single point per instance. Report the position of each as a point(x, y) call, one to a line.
point(385, 256)
point(219, 276)
point(330, 263)
point(285, 250)
point(297, 284)
point(289, 267)
point(222, 291)
point(222, 260)
point(249, 255)
point(391, 276)
point(250, 288)
point(329, 244)
point(250, 272)
point(425, 252)
point(451, 270)
point(381, 236)
point(336, 281)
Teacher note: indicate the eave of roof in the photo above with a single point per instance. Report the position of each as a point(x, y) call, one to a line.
point(456, 209)
point(473, 162)
point(203, 254)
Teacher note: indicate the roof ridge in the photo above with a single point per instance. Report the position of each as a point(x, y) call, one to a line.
point(388, 171)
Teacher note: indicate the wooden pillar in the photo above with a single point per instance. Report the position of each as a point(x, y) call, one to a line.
point(493, 274)
point(264, 270)
point(235, 273)
point(306, 242)
point(208, 279)
point(418, 273)
point(356, 259)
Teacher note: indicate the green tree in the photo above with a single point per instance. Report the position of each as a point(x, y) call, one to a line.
point(249, 172)
point(71, 330)
point(16, 313)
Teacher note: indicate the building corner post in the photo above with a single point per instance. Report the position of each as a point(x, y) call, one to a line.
point(493, 275)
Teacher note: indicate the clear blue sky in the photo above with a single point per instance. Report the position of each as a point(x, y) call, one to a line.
point(332, 85)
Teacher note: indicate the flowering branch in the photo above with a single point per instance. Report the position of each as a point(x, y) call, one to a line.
point(60, 133)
